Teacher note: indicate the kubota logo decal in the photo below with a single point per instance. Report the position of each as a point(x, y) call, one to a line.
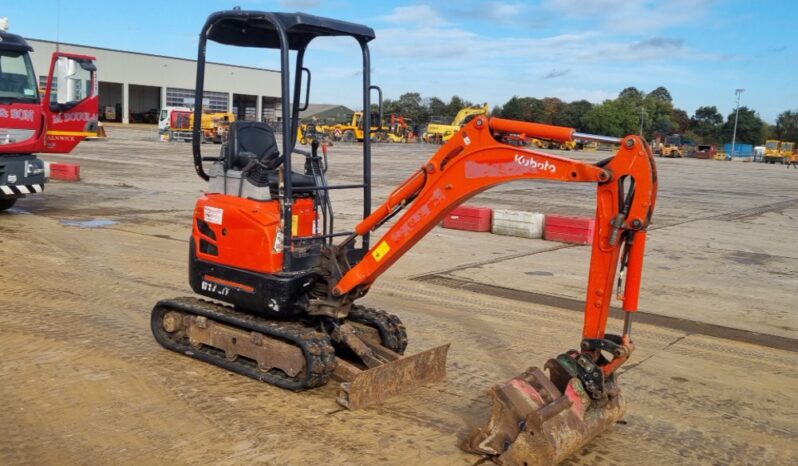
point(529, 161)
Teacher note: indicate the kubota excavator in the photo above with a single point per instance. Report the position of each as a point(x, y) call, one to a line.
point(30, 123)
point(265, 241)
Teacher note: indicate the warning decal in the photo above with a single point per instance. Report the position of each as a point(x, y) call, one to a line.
point(213, 215)
point(380, 251)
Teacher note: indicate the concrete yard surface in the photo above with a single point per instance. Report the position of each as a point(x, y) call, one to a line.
point(83, 381)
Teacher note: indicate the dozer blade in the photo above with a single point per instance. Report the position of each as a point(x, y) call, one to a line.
point(364, 388)
point(533, 423)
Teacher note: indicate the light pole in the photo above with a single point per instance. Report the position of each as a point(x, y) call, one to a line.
point(642, 118)
point(642, 111)
point(737, 92)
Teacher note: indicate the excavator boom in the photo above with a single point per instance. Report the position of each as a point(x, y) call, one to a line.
point(474, 161)
point(580, 397)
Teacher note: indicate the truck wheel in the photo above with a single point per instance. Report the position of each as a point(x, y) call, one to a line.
point(6, 204)
point(348, 136)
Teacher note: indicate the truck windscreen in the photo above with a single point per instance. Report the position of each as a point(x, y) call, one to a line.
point(17, 80)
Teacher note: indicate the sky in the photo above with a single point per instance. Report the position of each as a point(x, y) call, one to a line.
point(484, 50)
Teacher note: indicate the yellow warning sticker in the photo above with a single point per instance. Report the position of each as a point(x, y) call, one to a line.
point(294, 225)
point(380, 251)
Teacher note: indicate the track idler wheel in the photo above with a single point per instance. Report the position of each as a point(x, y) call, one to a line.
point(534, 423)
point(392, 332)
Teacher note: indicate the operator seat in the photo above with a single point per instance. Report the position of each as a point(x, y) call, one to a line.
point(250, 142)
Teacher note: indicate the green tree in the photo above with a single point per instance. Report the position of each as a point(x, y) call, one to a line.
point(410, 104)
point(630, 93)
point(573, 115)
point(658, 115)
point(552, 108)
point(787, 126)
point(455, 105)
point(523, 109)
point(618, 117)
point(707, 124)
point(437, 108)
point(681, 120)
point(750, 128)
point(662, 94)
point(389, 106)
point(663, 125)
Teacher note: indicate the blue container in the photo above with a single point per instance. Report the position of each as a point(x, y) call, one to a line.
point(740, 150)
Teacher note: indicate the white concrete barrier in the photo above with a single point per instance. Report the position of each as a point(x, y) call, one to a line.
point(518, 223)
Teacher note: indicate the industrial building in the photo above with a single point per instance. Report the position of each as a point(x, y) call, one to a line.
point(133, 86)
point(326, 113)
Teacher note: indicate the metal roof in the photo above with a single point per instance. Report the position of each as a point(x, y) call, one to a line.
point(316, 109)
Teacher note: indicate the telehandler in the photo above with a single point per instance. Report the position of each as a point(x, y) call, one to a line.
point(285, 280)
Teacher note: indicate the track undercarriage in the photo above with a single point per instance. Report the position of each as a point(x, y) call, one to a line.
point(300, 354)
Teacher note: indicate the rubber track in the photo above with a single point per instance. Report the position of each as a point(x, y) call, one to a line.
point(316, 346)
point(392, 331)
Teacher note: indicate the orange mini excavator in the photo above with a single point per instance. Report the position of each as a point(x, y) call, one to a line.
point(264, 241)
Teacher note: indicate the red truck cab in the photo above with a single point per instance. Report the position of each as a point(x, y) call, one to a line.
point(32, 123)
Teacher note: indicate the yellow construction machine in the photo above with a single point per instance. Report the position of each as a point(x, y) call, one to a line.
point(778, 151)
point(438, 133)
point(215, 125)
point(176, 124)
point(309, 132)
point(353, 130)
point(672, 146)
point(399, 129)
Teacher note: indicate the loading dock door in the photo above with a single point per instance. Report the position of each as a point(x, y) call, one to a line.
point(245, 107)
point(110, 101)
point(144, 103)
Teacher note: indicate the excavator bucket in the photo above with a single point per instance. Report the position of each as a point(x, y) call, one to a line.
point(533, 423)
point(363, 388)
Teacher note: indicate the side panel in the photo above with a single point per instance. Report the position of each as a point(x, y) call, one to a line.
point(237, 232)
point(236, 254)
point(243, 233)
point(70, 124)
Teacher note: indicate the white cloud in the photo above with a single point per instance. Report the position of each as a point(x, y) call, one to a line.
point(429, 50)
point(624, 16)
point(495, 11)
point(415, 15)
point(504, 10)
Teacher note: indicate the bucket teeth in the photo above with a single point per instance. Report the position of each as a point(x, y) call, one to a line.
point(532, 422)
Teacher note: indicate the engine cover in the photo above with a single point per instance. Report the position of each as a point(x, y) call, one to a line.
point(236, 254)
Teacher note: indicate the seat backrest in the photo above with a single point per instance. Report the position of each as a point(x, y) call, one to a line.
point(248, 140)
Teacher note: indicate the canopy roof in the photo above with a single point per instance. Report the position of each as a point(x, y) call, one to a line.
point(259, 29)
point(13, 42)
